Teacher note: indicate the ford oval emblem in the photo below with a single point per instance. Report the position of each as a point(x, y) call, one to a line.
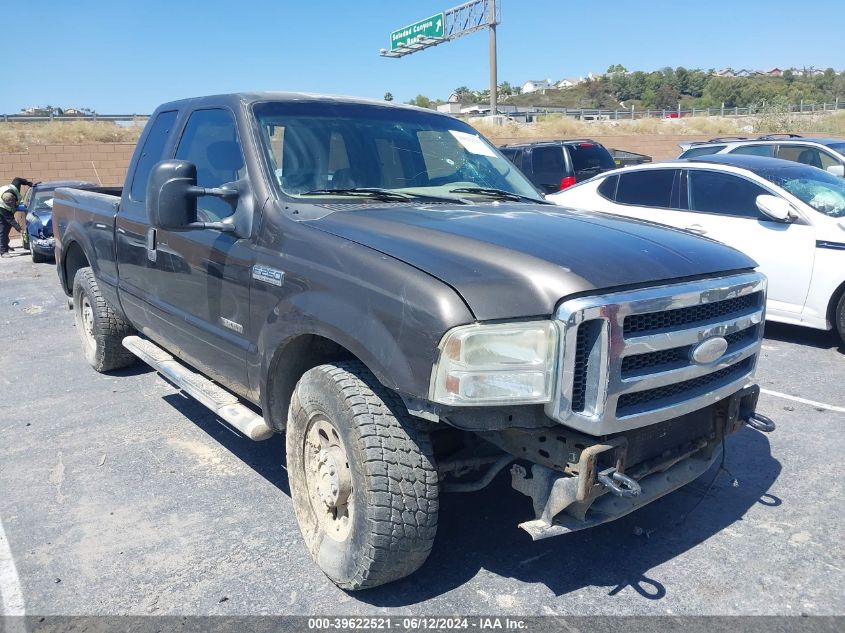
point(709, 350)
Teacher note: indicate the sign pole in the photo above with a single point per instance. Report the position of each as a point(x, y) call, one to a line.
point(494, 86)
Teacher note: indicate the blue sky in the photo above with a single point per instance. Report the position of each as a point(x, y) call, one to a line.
point(127, 57)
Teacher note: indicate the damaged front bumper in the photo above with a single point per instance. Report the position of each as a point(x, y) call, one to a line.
point(576, 484)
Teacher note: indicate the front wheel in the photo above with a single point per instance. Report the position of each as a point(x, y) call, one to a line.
point(37, 258)
point(100, 328)
point(362, 477)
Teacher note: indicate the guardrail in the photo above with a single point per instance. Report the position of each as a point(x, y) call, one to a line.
point(618, 115)
point(117, 118)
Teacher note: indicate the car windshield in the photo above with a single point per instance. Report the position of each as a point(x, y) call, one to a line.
point(819, 189)
point(345, 149)
point(42, 201)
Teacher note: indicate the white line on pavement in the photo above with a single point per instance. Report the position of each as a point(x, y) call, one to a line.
point(11, 596)
point(812, 403)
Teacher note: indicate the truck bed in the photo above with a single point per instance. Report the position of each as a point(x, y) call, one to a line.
point(89, 215)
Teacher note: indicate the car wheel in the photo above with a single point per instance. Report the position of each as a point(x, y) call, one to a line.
point(362, 477)
point(37, 258)
point(840, 317)
point(100, 328)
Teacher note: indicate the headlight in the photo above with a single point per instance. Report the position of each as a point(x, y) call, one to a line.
point(507, 363)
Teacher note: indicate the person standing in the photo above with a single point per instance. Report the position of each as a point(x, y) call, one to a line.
point(10, 198)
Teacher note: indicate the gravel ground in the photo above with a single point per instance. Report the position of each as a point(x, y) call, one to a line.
point(119, 496)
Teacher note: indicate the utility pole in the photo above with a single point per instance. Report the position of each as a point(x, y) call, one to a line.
point(494, 86)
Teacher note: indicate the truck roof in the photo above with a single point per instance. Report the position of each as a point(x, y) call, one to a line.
point(248, 98)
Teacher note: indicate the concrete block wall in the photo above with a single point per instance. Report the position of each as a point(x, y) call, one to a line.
point(105, 163)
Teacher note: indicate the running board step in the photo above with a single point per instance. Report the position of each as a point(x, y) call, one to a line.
point(221, 402)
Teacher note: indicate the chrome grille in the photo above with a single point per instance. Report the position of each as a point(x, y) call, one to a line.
point(627, 357)
point(638, 323)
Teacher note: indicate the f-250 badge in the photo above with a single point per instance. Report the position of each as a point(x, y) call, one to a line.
point(268, 275)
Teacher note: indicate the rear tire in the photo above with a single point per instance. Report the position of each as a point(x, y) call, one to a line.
point(362, 477)
point(840, 317)
point(100, 328)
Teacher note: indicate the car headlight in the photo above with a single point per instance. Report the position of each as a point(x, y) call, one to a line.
point(502, 363)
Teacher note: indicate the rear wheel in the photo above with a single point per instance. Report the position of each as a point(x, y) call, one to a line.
point(840, 317)
point(362, 477)
point(100, 328)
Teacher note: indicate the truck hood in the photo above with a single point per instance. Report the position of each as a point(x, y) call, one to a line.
point(518, 260)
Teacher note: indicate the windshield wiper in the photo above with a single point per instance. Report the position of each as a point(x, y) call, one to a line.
point(385, 195)
point(499, 194)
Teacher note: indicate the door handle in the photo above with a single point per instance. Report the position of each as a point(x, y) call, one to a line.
point(696, 228)
point(151, 245)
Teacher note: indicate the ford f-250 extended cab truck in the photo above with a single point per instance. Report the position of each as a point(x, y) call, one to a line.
point(380, 284)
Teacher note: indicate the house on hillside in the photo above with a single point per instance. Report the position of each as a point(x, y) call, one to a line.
point(535, 85)
point(568, 83)
point(725, 72)
point(774, 72)
point(743, 72)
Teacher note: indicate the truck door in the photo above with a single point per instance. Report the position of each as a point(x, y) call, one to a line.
point(201, 278)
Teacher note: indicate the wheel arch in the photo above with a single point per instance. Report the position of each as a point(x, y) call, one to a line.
point(73, 259)
point(289, 362)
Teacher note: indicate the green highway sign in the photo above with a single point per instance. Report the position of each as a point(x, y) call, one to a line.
point(430, 27)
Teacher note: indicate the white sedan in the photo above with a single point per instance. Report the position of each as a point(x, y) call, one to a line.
point(789, 217)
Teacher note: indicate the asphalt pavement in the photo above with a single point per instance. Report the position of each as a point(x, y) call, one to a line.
point(119, 496)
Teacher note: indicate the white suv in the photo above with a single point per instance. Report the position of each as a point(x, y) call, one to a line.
point(823, 153)
point(790, 218)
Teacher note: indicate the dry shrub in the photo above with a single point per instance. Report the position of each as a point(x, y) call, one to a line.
point(17, 137)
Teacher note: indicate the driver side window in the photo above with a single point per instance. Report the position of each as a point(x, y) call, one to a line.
point(210, 141)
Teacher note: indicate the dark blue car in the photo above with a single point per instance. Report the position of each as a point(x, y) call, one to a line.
point(38, 206)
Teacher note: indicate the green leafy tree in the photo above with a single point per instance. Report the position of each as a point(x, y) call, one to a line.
point(616, 68)
point(388, 96)
point(421, 101)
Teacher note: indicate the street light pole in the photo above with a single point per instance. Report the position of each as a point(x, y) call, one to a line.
point(494, 86)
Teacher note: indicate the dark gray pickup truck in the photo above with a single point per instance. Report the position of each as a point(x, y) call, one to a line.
point(379, 283)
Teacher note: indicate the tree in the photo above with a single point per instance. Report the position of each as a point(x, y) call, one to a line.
point(505, 89)
point(463, 92)
point(616, 68)
point(388, 96)
point(666, 97)
point(421, 101)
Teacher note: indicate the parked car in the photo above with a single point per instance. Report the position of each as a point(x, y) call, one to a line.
point(824, 153)
point(555, 165)
point(380, 284)
point(37, 204)
point(789, 217)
